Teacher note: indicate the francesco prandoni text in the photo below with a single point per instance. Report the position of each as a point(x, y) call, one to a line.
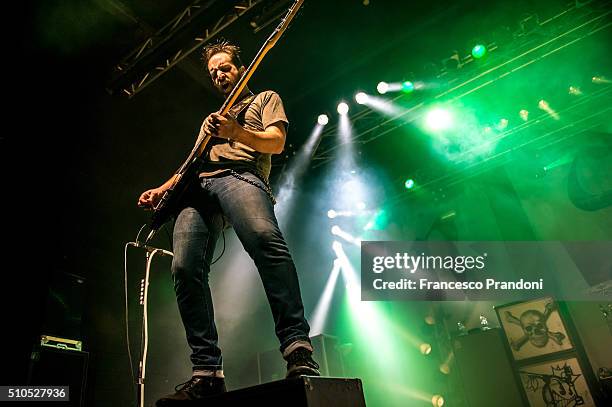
point(458, 264)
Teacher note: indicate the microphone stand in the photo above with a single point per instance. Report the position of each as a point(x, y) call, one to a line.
point(144, 292)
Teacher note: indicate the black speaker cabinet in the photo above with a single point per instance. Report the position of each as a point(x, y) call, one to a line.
point(271, 365)
point(59, 367)
point(305, 391)
point(484, 369)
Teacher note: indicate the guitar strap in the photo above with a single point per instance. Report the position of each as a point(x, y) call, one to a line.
point(238, 111)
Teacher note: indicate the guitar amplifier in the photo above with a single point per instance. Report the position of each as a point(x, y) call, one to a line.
point(60, 365)
point(484, 370)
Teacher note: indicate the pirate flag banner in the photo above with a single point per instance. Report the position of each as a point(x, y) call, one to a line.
point(534, 328)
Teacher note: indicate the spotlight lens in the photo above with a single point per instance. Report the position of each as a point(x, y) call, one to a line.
point(425, 348)
point(361, 205)
point(343, 108)
point(407, 87)
point(331, 214)
point(382, 87)
point(479, 51)
point(323, 119)
point(335, 230)
point(437, 400)
point(524, 114)
point(409, 183)
point(361, 98)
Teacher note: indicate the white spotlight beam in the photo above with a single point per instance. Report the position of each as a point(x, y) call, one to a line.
point(295, 172)
point(382, 105)
point(319, 316)
point(351, 279)
point(346, 236)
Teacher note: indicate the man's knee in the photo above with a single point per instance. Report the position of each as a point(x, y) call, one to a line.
point(264, 236)
point(265, 230)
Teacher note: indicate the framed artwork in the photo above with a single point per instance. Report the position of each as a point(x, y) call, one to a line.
point(534, 328)
point(556, 383)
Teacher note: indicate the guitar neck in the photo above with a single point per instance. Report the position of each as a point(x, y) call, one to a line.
point(270, 42)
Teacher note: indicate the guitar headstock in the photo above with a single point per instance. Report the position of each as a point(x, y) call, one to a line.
point(282, 26)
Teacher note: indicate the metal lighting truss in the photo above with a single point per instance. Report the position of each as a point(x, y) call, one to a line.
point(194, 26)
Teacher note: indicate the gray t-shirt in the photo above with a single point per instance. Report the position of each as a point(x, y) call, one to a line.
point(265, 110)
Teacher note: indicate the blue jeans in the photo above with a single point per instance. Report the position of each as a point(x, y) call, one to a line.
point(197, 228)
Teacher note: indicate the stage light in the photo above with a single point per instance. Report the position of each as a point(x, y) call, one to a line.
point(546, 107)
point(335, 230)
point(524, 114)
point(409, 183)
point(503, 123)
point(425, 348)
point(600, 80)
point(361, 205)
point(332, 213)
point(361, 98)
point(445, 368)
point(407, 87)
point(479, 51)
point(438, 119)
point(323, 119)
point(343, 108)
point(382, 87)
point(573, 90)
point(430, 320)
point(437, 400)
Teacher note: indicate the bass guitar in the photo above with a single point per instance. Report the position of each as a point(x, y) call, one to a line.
point(187, 173)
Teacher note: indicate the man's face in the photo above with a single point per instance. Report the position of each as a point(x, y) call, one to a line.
point(224, 73)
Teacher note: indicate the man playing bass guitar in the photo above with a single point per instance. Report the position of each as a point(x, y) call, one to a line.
point(233, 188)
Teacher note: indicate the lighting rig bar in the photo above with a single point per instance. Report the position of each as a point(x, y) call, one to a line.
point(578, 23)
point(193, 27)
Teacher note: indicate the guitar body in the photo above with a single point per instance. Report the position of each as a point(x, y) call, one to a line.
point(172, 199)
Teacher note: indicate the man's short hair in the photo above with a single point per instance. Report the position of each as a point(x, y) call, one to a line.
point(225, 46)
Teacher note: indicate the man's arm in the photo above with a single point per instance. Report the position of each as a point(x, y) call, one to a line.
point(271, 140)
point(150, 198)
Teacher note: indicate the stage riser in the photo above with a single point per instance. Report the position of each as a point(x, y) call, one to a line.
point(306, 391)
